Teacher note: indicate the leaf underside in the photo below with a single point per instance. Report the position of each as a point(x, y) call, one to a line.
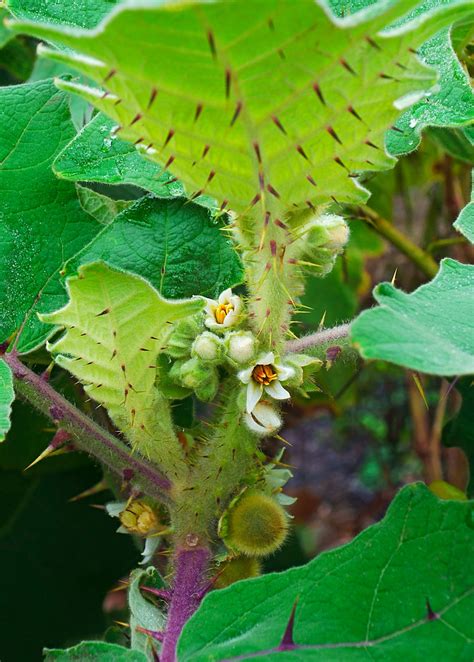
point(401, 590)
point(115, 326)
point(429, 330)
point(280, 109)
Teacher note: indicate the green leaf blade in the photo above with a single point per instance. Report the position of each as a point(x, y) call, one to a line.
point(42, 222)
point(429, 330)
point(383, 614)
point(94, 651)
point(7, 395)
point(175, 244)
point(220, 136)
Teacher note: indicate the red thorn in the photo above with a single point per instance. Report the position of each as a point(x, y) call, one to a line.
point(273, 247)
point(198, 112)
point(333, 134)
point(311, 180)
point(169, 162)
point(387, 77)
point(236, 114)
point(317, 89)
point(277, 123)
point(152, 98)
point(430, 614)
point(257, 152)
point(273, 191)
point(301, 151)
point(339, 162)
point(224, 204)
point(110, 75)
point(372, 43)
point(168, 137)
point(352, 111)
point(211, 176)
point(228, 75)
point(267, 218)
point(347, 66)
point(310, 205)
point(287, 642)
point(395, 128)
point(154, 634)
point(261, 180)
point(370, 144)
point(212, 43)
point(255, 200)
point(136, 119)
point(205, 151)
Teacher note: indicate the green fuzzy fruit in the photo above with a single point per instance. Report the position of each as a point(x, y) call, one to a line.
point(257, 525)
point(240, 567)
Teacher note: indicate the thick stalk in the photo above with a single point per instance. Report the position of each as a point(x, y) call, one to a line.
point(417, 255)
point(87, 435)
point(191, 563)
point(318, 338)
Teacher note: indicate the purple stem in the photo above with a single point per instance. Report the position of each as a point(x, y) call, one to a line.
point(190, 570)
point(86, 434)
point(319, 338)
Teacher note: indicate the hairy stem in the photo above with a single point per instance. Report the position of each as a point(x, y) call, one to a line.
point(191, 563)
point(417, 255)
point(87, 435)
point(318, 338)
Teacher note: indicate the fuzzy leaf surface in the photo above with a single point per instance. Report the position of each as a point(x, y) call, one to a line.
point(7, 396)
point(365, 600)
point(42, 223)
point(115, 326)
point(94, 651)
point(143, 613)
point(80, 13)
point(99, 206)
point(430, 330)
point(175, 244)
point(98, 155)
point(282, 107)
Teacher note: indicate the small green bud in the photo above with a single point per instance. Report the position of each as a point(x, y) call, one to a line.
point(256, 525)
point(304, 366)
point(336, 229)
point(241, 346)
point(207, 347)
point(197, 375)
point(181, 339)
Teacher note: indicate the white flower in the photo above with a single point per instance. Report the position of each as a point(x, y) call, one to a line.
point(224, 312)
point(265, 376)
point(263, 420)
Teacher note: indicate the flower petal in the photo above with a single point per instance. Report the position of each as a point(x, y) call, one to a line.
point(231, 318)
point(245, 375)
point(284, 372)
point(225, 296)
point(266, 359)
point(211, 323)
point(276, 390)
point(151, 545)
point(254, 393)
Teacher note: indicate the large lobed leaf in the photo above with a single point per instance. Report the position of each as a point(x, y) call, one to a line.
point(430, 330)
point(401, 590)
point(115, 326)
point(174, 244)
point(282, 105)
point(42, 223)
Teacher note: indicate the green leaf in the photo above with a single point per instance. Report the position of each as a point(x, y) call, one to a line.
point(429, 330)
point(7, 396)
point(5, 33)
point(460, 430)
point(94, 651)
point(465, 221)
point(115, 326)
point(98, 155)
point(99, 206)
point(42, 223)
point(175, 244)
point(231, 108)
point(144, 613)
point(80, 13)
point(457, 142)
point(365, 600)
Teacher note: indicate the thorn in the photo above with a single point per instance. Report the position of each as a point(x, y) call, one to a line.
point(401, 66)
point(137, 117)
point(352, 111)
point(224, 204)
point(168, 137)
point(169, 162)
point(273, 191)
point(339, 162)
point(387, 77)
point(227, 82)
point(205, 151)
point(287, 642)
point(198, 112)
point(104, 312)
point(154, 634)
point(370, 144)
point(152, 98)
point(101, 486)
point(333, 134)
point(257, 152)
point(420, 388)
point(162, 593)
point(211, 176)
point(347, 66)
point(60, 438)
point(277, 123)
point(430, 614)
point(238, 108)
point(110, 75)
point(301, 151)
point(311, 180)
point(271, 24)
point(372, 43)
point(254, 200)
point(281, 54)
point(138, 141)
point(395, 128)
point(317, 89)
point(392, 282)
point(212, 43)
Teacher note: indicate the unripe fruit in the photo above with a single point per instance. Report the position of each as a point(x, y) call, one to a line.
point(256, 525)
point(240, 567)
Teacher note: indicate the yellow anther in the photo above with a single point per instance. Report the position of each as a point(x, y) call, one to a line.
point(264, 374)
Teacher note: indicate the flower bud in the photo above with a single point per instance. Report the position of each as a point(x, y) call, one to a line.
point(264, 420)
point(207, 347)
point(256, 525)
point(336, 230)
point(241, 346)
point(239, 567)
point(304, 366)
point(139, 518)
point(197, 375)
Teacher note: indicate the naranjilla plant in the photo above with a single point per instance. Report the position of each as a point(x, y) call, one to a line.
point(247, 129)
